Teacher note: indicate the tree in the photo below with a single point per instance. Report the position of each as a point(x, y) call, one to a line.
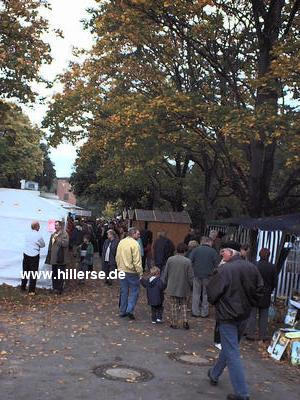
point(22, 50)
point(21, 158)
point(245, 53)
point(46, 179)
point(162, 72)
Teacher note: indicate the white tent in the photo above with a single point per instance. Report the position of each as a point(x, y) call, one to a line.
point(18, 208)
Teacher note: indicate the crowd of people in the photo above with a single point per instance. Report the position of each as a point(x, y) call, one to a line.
point(198, 272)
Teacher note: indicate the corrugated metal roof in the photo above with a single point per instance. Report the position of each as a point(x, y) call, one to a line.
point(144, 215)
point(162, 216)
point(287, 223)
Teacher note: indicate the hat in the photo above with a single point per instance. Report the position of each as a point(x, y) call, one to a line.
point(231, 245)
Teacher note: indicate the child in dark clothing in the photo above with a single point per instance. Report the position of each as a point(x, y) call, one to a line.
point(86, 256)
point(155, 294)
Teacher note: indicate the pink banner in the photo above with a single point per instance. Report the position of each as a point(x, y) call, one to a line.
point(51, 225)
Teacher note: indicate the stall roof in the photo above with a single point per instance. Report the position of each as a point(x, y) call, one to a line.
point(288, 223)
point(162, 216)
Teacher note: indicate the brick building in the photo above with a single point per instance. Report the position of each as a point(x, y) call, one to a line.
point(64, 191)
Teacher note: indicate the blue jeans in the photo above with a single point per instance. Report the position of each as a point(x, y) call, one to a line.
point(129, 292)
point(230, 356)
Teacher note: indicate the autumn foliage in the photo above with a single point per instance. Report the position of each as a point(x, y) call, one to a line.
point(171, 84)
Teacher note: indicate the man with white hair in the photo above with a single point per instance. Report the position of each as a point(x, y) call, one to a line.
point(234, 290)
point(31, 257)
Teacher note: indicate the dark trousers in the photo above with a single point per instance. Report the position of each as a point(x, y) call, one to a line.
point(30, 264)
point(157, 312)
point(217, 337)
point(144, 258)
point(58, 281)
point(107, 268)
point(263, 314)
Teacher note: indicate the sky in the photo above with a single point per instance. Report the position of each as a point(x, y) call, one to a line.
point(65, 15)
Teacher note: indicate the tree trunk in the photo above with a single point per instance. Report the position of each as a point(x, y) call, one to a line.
point(262, 154)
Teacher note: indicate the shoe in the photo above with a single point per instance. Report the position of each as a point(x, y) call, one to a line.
point(195, 316)
point(159, 321)
point(173, 326)
point(123, 315)
point(237, 397)
point(153, 322)
point(218, 346)
point(213, 381)
point(109, 283)
point(251, 338)
point(186, 325)
point(131, 316)
point(31, 294)
point(264, 340)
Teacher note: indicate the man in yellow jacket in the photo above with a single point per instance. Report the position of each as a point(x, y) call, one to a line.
point(129, 260)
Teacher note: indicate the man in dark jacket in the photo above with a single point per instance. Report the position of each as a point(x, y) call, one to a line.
point(109, 252)
point(204, 260)
point(163, 249)
point(147, 238)
point(234, 290)
point(268, 273)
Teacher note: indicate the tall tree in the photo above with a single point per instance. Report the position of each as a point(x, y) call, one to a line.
point(22, 49)
point(46, 179)
point(21, 156)
point(211, 78)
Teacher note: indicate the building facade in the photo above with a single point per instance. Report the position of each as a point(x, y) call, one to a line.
point(64, 191)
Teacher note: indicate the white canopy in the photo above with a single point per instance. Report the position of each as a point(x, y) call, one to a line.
point(18, 208)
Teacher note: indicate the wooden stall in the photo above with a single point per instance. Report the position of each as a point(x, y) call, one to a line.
point(175, 224)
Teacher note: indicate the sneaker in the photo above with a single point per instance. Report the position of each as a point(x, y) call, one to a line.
point(173, 326)
point(218, 346)
point(237, 397)
point(123, 315)
point(31, 294)
point(159, 321)
point(153, 322)
point(131, 316)
point(213, 381)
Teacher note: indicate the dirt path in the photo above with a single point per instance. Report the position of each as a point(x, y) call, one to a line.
point(50, 345)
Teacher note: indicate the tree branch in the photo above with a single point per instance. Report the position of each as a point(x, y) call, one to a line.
point(295, 8)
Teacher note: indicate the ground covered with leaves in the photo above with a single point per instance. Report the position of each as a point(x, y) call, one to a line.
point(50, 345)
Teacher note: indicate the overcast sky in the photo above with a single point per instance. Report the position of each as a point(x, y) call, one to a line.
point(65, 15)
